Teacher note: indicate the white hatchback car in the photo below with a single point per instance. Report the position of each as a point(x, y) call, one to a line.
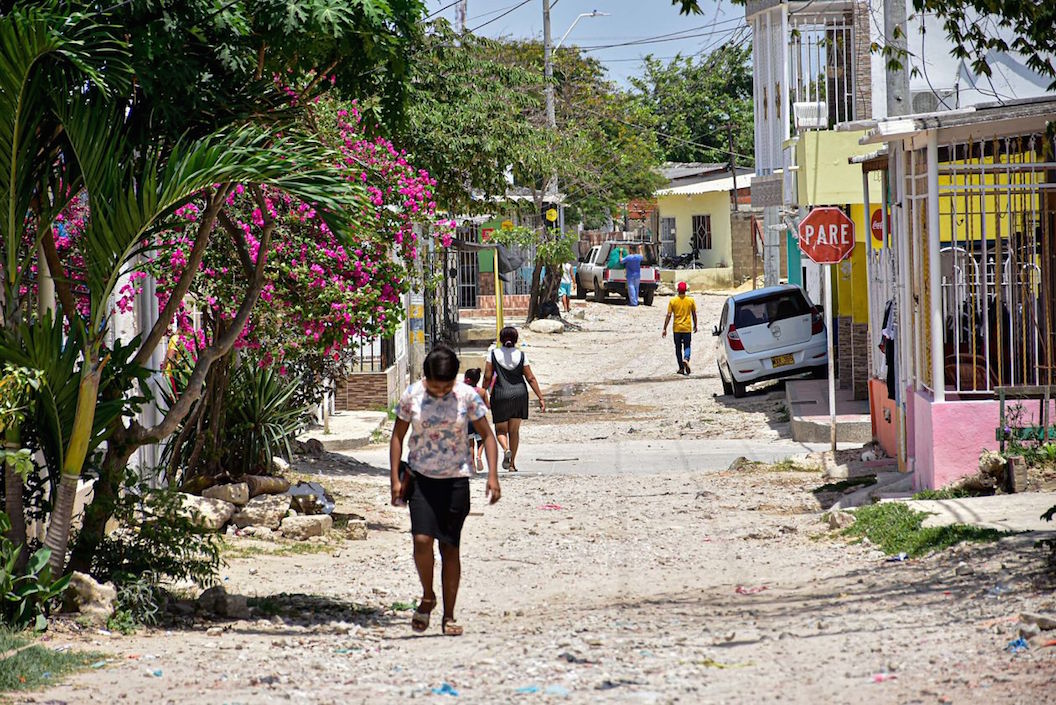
point(769, 333)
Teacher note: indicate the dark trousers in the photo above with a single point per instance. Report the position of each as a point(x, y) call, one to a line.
point(682, 341)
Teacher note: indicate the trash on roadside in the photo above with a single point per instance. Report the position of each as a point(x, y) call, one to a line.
point(998, 590)
point(573, 658)
point(550, 507)
point(310, 498)
point(527, 690)
point(898, 559)
point(1017, 645)
point(558, 690)
point(742, 590)
point(882, 677)
point(712, 663)
point(98, 664)
point(157, 673)
point(446, 689)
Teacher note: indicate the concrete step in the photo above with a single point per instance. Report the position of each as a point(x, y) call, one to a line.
point(887, 483)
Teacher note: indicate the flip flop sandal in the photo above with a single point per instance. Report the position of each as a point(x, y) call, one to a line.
point(420, 619)
point(506, 460)
point(451, 628)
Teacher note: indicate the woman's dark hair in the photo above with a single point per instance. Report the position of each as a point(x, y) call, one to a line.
point(508, 337)
point(441, 364)
point(472, 376)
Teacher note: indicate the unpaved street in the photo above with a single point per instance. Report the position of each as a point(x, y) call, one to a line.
point(624, 564)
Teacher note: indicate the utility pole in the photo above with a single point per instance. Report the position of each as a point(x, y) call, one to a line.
point(460, 16)
point(733, 166)
point(548, 88)
point(897, 80)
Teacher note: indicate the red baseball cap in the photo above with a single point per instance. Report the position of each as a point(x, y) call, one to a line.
point(681, 286)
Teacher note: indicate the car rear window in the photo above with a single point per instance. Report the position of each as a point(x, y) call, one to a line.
point(772, 307)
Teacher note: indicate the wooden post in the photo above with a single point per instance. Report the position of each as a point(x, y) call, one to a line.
point(498, 298)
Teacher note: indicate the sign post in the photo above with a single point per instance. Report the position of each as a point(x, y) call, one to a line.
point(826, 237)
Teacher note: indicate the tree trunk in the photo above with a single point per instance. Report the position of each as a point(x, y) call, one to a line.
point(58, 536)
point(533, 298)
point(105, 492)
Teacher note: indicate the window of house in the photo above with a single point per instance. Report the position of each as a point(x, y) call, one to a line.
point(702, 232)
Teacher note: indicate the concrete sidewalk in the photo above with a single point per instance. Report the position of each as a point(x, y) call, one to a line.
point(808, 408)
point(348, 429)
point(1005, 512)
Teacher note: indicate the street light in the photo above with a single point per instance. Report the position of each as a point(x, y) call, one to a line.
point(592, 13)
point(548, 88)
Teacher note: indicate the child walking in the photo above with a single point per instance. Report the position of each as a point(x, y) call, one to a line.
point(472, 378)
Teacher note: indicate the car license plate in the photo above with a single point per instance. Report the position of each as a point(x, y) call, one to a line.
point(782, 360)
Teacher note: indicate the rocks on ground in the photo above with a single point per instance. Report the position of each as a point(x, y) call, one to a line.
point(236, 493)
point(93, 600)
point(206, 512)
point(217, 601)
point(546, 325)
point(263, 510)
point(303, 527)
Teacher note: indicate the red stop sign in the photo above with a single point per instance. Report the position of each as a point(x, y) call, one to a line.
point(826, 235)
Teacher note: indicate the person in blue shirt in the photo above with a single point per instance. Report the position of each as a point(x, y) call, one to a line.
point(633, 264)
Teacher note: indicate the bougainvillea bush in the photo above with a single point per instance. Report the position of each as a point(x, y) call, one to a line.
point(320, 295)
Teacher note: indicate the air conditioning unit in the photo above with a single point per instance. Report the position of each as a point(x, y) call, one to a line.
point(811, 116)
point(933, 101)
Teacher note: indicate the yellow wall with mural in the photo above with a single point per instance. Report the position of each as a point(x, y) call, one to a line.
point(683, 208)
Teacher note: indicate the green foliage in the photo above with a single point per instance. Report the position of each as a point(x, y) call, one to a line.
point(26, 594)
point(42, 346)
point(895, 528)
point(262, 417)
point(467, 117)
point(157, 538)
point(945, 493)
point(263, 411)
point(693, 99)
point(139, 598)
point(552, 247)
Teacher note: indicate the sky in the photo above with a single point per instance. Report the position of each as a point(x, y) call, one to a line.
point(637, 27)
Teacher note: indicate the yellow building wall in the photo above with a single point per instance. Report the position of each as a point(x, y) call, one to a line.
point(683, 208)
point(825, 177)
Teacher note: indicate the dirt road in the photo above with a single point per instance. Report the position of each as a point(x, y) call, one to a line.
point(644, 584)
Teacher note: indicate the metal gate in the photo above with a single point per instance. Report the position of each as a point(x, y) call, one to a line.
point(667, 238)
point(441, 303)
point(468, 267)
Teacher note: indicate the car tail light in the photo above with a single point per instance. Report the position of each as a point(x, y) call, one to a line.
point(605, 275)
point(735, 338)
point(817, 323)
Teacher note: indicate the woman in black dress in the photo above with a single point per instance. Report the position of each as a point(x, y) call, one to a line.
point(509, 398)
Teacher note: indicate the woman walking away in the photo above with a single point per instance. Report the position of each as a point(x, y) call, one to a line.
point(437, 484)
point(509, 398)
point(472, 378)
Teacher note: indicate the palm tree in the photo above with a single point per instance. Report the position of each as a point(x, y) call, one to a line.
point(80, 142)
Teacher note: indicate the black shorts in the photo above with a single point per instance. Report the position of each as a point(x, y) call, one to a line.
point(439, 507)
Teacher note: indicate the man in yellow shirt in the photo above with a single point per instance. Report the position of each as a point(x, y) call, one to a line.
point(684, 309)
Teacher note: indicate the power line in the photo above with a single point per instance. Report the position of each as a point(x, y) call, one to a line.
point(639, 42)
point(496, 19)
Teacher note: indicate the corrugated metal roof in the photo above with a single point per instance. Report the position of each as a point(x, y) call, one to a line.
point(712, 186)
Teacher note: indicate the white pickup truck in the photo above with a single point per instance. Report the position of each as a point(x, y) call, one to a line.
point(593, 276)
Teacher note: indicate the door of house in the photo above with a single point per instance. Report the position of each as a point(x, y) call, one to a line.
point(468, 267)
point(667, 237)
